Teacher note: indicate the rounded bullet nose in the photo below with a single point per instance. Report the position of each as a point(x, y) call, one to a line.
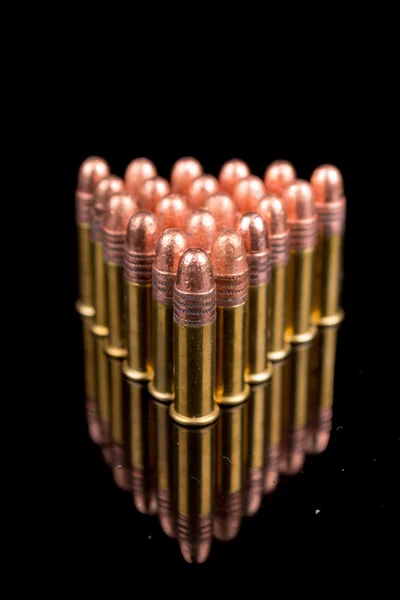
point(145, 503)
point(118, 212)
point(183, 172)
point(228, 254)
point(91, 171)
point(254, 495)
point(292, 463)
point(195, 274)
point(200, 189)
point(232, 171)
point(316, 442)
point(222, 207)
point(104, 190)
point(272, 210)
point(226, 528)
point(170, 247)
point(122, 478)
point(300, 202)
point(271, 479)
point(151, 192)
point(196, 553)
point(327, 184)
point(278, 176)
point(253, 230)
point(143, 233)
point(171, 212)
point(201, 229)
point(167, 525)
point(248, 192)
point(137, 172)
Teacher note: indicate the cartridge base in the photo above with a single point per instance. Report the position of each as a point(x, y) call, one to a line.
point(331, 320)
point(136, 375)
point(194, 421)
point(301, 338)
point(161, 396)
point(259, 377)
point(233, 400)
point(100, 330)
point(279, 355)
point(84, 309)
point(115, 352)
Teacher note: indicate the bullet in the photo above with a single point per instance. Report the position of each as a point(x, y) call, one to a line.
point(151, 192)
point(138, 171)
point(200, 189)
point(327, 185)
point(223, 209)
point(169, 250)
point(201, 229)
point(141, 239)
point(272, 210)
point(92, 170)
point(164, 471)
point(230, 436)
point(231, 274)
point(253, 229)
point(302, 221)
point(322, 371)
point(171, 212)
point(183, 172)
point(194, 305)
point(232, 171)
point(194, 489)
point(248, 193)
point(278, 176)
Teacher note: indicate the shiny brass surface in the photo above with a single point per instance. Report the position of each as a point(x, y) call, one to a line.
point(120, 426)
point(162, 386)
point(230, 387)
point(138, 322)
point(103, 394)
point(100, 320)
point(299, 297)
point(89, 362)
point(277, 292)
point(273, 420)
point(115, 300)
point(258, 369)
point(85, 305)
point(326, 290)
point(164, 470)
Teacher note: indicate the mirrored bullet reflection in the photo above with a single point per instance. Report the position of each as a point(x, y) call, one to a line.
point(91, 400)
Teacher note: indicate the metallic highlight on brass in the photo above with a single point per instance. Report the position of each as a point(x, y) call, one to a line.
point(92, 170)
point(194, 340)
point(253, 229)
point(170, 248)
point(120, 426)
point(273, 421)
point(229, 472)
point(319, 422)
point(171, 212)
point(231, 274)
point(141, 239)
point(248, 193)
point(302, 221)
point(327, 184)
point(183, 172)
point(278, 176)
point(91, 404)
point(194, 490)
point(222, 207)
point(151, 192)
point(200, 189)
point(138, 171)
point(103, 396)
point(201, 229)
point(231, 173)
point(272, 210)
point(164, 468)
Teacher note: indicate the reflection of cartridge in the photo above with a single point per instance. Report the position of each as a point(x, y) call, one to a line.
point(294, 410)
point(278, 176)
point(201, 229)
point(248, 193)
point(142, 444)
point(89, 365)
point(141, 239)
point(272, 210)
point(231, 275)
point(120, 426)
point(138, 171)
point(200, 189)
point(229, 472)
point(170, 247)
point(164, 470)
point(231, 173)
point(319, 421)
point(92, 170)
point(327, 185)
point(302, 221)
point(194, 489)
point(194, 340)
point(183, 172)
point(253, 229)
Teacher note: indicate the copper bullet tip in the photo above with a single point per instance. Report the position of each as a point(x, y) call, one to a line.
point(228, 516)
point(91, 171)
point(273, 211)
point(194, 290)
point(254, 492)
point(170, 247)
point(254, 232)
point(195, 537)
point(222, 207)
point(327, 185)
point(151, 191)
point(141, 239)
point(278, 176)
point(137, 172)
point(201, 229)
point(248, 192)
point(104, 190)
point(301, 215)
point(232, 171)
point(230, 266)
point(143, 491)
point(183, 172)
point(118, 212)
point(200, 189)
point(171, 212)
